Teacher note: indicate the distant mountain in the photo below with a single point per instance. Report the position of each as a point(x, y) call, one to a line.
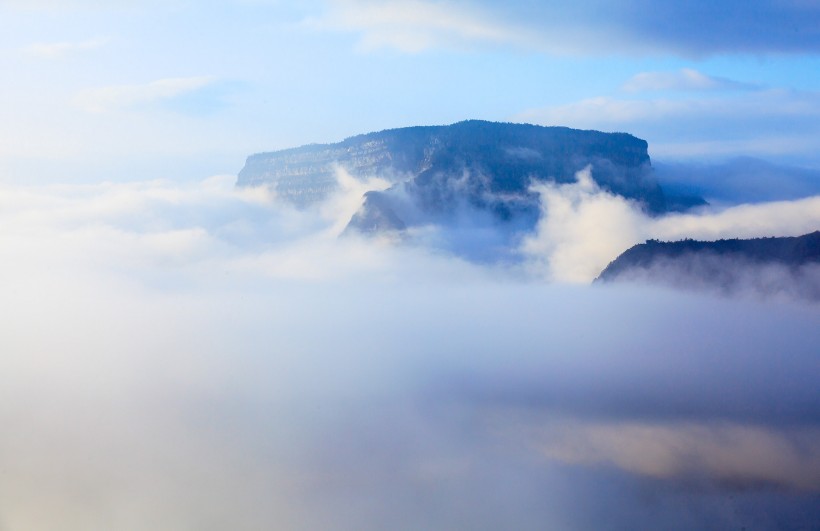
point(770, 266)
point(739, 180)
point(439, 172)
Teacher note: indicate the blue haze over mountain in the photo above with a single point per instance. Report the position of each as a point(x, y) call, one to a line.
point(739, 180)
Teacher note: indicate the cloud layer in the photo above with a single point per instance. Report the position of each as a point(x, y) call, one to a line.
point(592, 26)
point(415, 25)
point(582, 228)
point(186, 356)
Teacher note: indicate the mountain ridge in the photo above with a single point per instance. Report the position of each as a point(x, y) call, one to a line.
point(766, 265)
point(433, 170)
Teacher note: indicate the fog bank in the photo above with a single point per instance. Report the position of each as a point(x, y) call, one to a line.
point(199, 357)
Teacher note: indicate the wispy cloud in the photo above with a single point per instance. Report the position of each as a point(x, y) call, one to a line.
point(416, 25)
point(59, 50)
point(114, 97)
point(582, 227)
point(605, 110)
point(685, 79)
point(765, 122)
point(693, 28)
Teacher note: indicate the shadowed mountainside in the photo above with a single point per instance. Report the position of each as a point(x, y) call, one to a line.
point(789, 265)
point(436, 172)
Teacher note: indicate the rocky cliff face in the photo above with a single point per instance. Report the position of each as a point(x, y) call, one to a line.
point(789, 265)
point(307, 174)
point(439, 170)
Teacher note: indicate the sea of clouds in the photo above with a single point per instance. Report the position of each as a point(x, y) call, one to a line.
point(196, 356)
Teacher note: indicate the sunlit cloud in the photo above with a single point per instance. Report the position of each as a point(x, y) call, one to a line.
point(582, 228)
point(732, 454)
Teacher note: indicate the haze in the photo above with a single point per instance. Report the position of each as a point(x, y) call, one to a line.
point(179, 353)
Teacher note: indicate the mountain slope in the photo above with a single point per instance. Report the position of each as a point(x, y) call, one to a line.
point(788, 265)
point(438, 171)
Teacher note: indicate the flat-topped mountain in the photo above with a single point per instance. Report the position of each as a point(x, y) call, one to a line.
point(766, 265)
point(436, 170)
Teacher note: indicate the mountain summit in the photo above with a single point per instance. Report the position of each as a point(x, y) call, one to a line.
point(438, 172)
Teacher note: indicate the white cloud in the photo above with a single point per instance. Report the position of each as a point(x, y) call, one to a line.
point(731, 453)
point(584, 27)
point(115, 97)
point(583, 228)
point(609, 111)
point(416, 25)
point(684, 79)
point(59, 50)
point(349, 197)
point(158, 336)
point(779, 218)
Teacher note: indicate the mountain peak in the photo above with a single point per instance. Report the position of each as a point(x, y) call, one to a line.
point(471, 177)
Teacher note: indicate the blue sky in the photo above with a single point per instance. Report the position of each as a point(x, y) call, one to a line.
point(124, 89)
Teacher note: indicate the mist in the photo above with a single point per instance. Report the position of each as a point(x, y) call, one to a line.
point(583, 227)
point(195, 356)
point(739, 180)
